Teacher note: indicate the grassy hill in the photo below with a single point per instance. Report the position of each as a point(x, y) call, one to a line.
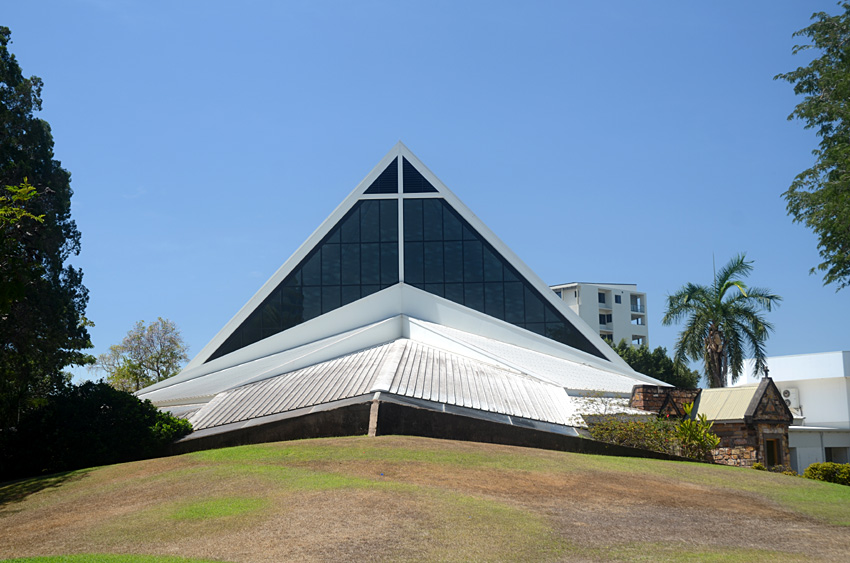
point(402, 498)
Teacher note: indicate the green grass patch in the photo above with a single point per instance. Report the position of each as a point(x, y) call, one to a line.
point(466, 528)
point(217, 508)
point(363, 448)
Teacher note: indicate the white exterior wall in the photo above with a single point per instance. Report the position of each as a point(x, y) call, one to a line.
point(583, 298)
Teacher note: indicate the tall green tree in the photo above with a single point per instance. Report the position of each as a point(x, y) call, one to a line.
point(819, 197)
point(656, 363)
point(147, 355)
point(43, 328)
point(724, 322)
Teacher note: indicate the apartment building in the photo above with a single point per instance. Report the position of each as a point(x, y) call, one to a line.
point(617, 311)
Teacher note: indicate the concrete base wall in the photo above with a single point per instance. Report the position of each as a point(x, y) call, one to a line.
point(411, 421)
point(381, 418)
point(352, 420)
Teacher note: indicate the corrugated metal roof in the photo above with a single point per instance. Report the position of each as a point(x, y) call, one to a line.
point(728, 403)
point(432, 374)
point(559, 371)
point(348, 376)
point(404, 368)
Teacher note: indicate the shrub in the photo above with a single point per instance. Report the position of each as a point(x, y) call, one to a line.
point(688, 438)
point(83, 426)
point(829, 472)
point(695, 435)
point(657, 434)
point(759, 466)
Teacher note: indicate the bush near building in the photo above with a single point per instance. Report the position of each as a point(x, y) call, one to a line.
point(830, 472)
point(86, 425)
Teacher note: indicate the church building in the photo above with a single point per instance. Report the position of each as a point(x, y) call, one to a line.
point(402, 313)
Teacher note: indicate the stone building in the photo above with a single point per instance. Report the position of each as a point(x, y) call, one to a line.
point(752, 421)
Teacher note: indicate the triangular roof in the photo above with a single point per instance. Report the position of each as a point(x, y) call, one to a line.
point(401, 256)
point(749, 403)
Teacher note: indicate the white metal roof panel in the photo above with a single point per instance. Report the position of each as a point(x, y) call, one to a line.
point(569, 374)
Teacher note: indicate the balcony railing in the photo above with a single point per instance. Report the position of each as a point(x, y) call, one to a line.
point(638, 308)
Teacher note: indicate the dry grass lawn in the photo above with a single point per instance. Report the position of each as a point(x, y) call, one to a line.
point(401, 498)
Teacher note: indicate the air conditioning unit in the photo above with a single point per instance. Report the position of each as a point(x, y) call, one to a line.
point(792, 398)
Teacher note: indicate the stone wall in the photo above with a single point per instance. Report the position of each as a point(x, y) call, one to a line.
point(739, 444)
point(662, 400)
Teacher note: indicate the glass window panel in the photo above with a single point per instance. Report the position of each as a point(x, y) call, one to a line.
point(389, 263)
point(452, 227)
point(432, 220)
point(370, 263)
point(333, 236)
point(514, 303)
point(312, 270)
point(293, 279)
point(292, 307)
point(468, 233)
point(510, 274)
point(350, 274)
point(271, 314)
point(350, 293)
point(454, 292)
point(414, 182)
point(312, 302)
point(552, 316)
point(473, 296)
point(369, 290)
point(387, 181)
point(330, 298)
point(330, 264)
point(492, 267)
point(453, 261)
point(413, 263)
point(252, 328)
point(473, 265)
point(533, 308)
point(412, 219)
point(389, 220)
point(350, 228)
point(435, 288)
point(539, 328)
point(494, 300)
point(433, 262)
point(370, 221)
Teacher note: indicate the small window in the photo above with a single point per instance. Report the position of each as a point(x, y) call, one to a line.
point(608, 317)
point(618, 299)
point(602, 298)
point(558, 292)
point(602, 319)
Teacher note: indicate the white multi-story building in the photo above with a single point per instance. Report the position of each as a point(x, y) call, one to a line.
point(816, 387)
point(617, 311)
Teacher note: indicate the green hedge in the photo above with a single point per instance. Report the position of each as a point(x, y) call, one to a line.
point(84, 426)
point(829, 472)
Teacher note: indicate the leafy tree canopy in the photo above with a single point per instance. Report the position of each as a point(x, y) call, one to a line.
point(819, 197)
point(83, 426)
point(656, 363)
point(148, 354)
point(723, 322)
point(43, 327)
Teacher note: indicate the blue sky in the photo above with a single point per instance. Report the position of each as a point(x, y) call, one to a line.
point(618, 142)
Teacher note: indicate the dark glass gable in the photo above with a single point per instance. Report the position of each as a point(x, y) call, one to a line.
point(357, 258)
point(443, 255)
point(387, 182)
point(414, 182)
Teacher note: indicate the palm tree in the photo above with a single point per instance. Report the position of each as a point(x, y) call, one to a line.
point(723, 322)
